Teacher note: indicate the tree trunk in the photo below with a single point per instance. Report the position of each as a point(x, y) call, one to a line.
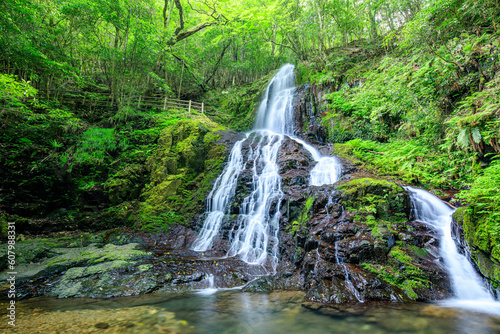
point(114, 86)
point(373, 24)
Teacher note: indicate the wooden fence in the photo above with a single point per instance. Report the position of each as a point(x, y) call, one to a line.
point(92, 99)
point(166, 103)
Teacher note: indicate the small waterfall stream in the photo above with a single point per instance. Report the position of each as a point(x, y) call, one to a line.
point(469, 289)
point(326, 171)
point(255, 238)
point(211, 285)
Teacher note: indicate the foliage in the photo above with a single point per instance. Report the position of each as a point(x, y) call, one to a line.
point(297, 226)
point(412, 91)
point(484, 198)
point(400, 271)
point(13, 90)
point(414, 161)
point(484, 189)
point(94, 145)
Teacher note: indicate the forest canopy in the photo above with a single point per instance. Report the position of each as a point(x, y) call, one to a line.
point(184, 48)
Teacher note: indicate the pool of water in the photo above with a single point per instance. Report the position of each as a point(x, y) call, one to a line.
point(234, 311)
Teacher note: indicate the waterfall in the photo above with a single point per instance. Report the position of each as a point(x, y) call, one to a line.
point(258, 227)
point(347, 281)
point(275, 111)
point(219, 198)
point(211, 285)
point(254, 238)
point(469, 289)
point(326, 171)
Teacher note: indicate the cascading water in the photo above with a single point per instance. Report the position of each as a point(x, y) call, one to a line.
point(219, 197)
point(211, 285)
point(347, 281)
point(257, 231)
point(275, 110)
point(255, 238)
point(469, 290)
point(326, 171)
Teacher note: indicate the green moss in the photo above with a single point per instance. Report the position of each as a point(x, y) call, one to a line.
point(478, 232)
point(375, 197)
point(26, 251)
point(187, 159)
point(482, 236)
point(299, 225)
point(125, 184)
point(94, 255)
point(400, 271)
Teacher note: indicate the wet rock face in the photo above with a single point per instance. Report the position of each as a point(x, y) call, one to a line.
point(349, 242)
point(469, 231)
point(294, 164)
point(307, 115)
point(355, 243)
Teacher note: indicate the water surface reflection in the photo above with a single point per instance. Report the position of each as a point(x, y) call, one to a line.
point(278, 312)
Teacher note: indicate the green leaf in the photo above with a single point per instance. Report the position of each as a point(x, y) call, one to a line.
point(476, 135)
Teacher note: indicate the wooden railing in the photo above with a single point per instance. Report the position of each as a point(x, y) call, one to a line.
point(166, 103)
point(159, 102)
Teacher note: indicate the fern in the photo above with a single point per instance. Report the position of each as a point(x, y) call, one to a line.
point(463, 138)
point(476, 135)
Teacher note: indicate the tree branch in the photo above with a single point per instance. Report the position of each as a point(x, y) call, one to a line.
point(181, 17)
point(217, 64)
point(276, 43)
point(202, 85)
point(179, 35)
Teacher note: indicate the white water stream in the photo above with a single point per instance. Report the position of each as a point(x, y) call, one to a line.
point(211, 285)
point(468, 287)
point(255, 238)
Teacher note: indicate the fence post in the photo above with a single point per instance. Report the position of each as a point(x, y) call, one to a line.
point(202, 105)
point(139, 104)
point(189, 108)
point(165, 104)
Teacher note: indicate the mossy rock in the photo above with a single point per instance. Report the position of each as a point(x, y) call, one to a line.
point(101, 280)
point(485, 249)
point(26, 251)
point(34, 249)
point(186, 161)
point(92, 254)
point(463, 217)
point(381, 198)
point(402, 270)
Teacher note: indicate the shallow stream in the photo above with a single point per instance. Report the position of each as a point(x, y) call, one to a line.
point(234, 311)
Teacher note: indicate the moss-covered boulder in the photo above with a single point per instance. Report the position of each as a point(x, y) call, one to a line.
point(126, 184)
point(25, 252)
point(483, 243)
point(188, 157)
point(377, 197)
